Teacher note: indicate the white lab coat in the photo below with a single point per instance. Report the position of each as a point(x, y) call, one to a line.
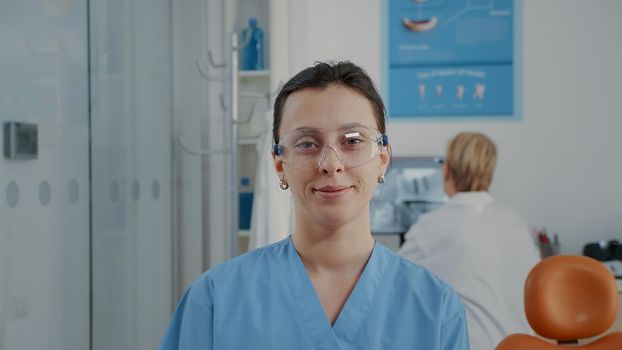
point(484, 251)
point(272, 212)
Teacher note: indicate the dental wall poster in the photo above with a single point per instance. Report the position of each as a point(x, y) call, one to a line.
point(451, 58)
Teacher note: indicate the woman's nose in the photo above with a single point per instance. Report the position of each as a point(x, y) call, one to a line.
point(331, 161)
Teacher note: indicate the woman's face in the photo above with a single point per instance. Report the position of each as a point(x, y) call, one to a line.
point(331, 194)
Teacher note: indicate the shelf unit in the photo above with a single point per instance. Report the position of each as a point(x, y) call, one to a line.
point(256, 88)
point(254, 73)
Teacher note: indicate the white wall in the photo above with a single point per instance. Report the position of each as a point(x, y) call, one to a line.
point(326, 29)
point(558, 165)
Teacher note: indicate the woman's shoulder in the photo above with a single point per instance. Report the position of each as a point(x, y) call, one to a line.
point(235, 270)
point(252, 259)
point(418, 281)
point(414, 273)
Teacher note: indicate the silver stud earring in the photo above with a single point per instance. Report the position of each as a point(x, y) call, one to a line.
point(283, 184)
point(381, 179)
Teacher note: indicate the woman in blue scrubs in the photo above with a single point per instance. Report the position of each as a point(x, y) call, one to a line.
point(329, 285)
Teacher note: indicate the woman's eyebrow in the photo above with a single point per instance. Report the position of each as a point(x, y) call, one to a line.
point(351, 125)
point(306, 128)
point(343, 126)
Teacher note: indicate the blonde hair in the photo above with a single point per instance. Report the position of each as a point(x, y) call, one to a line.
point(471, 159)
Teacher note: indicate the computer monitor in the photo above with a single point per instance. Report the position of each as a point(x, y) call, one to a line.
point(413, 186)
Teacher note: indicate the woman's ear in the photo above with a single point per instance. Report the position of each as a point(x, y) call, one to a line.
point(446, 173)
point(385, 158)
point(278, 166)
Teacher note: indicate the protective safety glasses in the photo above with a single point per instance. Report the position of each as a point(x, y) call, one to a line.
point(307, 148)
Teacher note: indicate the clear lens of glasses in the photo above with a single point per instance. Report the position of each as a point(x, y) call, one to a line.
point(307, 148)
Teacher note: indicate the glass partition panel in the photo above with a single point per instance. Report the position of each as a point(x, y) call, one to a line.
point(44, 183)
point(131, 172)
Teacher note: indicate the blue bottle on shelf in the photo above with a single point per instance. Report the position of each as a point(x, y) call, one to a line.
point(246, 203)
point(252, 43)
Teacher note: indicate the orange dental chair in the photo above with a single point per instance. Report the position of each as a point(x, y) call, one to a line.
point(568, 298)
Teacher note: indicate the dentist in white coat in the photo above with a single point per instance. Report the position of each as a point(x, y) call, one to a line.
point(483, 249)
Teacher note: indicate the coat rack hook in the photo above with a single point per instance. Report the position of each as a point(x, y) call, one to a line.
point(204, 73)
point(212, 62)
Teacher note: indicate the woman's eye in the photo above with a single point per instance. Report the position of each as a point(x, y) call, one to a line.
point(305, 145)
point(353, 141)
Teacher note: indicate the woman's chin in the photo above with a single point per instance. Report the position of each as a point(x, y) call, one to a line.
point(335, 216)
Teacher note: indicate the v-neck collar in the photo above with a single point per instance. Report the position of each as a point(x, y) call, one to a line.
point(354, 311)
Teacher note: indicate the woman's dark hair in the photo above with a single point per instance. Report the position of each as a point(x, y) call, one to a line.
point(324, 74)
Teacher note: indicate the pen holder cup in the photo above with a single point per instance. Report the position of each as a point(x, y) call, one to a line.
point(548, 249)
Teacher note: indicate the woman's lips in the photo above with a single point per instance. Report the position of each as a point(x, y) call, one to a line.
point(332, 192)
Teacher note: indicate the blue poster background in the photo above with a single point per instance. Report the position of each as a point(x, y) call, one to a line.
point(451, 58)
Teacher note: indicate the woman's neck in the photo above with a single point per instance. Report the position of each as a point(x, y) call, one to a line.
point(321, 247)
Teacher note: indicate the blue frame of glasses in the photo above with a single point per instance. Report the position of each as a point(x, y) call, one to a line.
point(278, 149)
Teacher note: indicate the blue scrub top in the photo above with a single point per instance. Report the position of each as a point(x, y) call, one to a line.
point(265, 300)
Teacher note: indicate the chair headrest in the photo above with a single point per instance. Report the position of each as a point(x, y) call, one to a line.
point(570, 297)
